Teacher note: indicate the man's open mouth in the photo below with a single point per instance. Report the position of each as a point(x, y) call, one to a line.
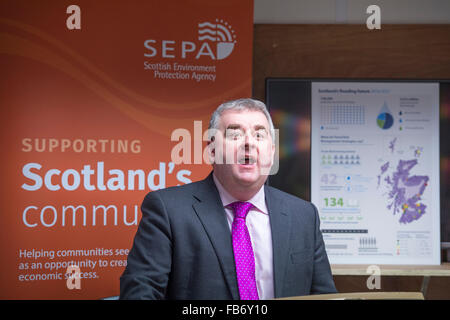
point(248, 160)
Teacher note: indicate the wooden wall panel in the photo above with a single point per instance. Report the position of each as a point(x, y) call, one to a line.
point(350, 51)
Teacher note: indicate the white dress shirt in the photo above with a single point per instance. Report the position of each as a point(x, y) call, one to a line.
point(258, 224)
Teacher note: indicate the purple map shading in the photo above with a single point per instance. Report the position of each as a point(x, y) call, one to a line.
point(392, 145)
point(406, 191)
point(383, 168)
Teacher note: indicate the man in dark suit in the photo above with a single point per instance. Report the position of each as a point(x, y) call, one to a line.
point(229, 236)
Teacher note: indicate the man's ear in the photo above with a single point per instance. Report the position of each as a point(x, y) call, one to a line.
point(210, 151)
point(211, 145)
point(213, 152)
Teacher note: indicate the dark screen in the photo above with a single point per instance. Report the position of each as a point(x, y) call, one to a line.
point(289, 103)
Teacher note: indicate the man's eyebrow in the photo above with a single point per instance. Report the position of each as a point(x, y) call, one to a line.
point(238, 127)
point(233, 127)
point(259, 127)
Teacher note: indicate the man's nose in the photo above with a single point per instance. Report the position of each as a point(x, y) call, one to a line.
point(249, 140)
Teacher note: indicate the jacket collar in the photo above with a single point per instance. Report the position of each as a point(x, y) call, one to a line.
point(209, 209)
point(280, 224)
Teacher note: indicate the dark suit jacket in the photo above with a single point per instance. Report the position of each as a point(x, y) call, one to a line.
point(183, 247)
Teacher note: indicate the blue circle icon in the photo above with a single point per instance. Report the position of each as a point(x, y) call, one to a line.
point(385, 120)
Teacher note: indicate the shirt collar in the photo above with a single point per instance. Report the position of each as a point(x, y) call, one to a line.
point(258, 200)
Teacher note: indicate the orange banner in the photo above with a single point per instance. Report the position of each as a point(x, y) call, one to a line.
point(90, 96)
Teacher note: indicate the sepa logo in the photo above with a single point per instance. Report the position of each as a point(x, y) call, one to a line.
point(215, 40)
point(220, 33)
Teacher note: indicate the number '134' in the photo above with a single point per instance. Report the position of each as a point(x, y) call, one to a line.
point(333, 202)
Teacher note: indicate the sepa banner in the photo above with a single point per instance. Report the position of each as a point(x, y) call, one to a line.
point(90, 96)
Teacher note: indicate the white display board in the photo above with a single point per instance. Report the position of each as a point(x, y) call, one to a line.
point(375, 171)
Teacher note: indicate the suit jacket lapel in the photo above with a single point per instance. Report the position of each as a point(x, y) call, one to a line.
point(210, 211)
point(280, 225)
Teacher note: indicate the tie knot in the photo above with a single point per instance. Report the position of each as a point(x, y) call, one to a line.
point(241, 209)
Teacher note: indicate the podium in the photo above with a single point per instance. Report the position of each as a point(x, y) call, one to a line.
point(432, 280)
point(361, 296)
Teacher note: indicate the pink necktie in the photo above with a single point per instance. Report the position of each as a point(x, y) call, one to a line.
point(243, 252)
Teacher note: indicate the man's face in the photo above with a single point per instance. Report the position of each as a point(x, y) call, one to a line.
point(243, 150)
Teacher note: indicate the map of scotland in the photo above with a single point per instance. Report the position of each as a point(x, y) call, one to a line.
point(405, 189)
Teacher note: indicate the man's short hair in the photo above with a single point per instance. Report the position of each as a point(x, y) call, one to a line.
point(241, 105)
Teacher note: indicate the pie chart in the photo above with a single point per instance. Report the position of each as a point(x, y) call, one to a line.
point(385, 120)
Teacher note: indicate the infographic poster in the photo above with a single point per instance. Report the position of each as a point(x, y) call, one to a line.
point(375, 171)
